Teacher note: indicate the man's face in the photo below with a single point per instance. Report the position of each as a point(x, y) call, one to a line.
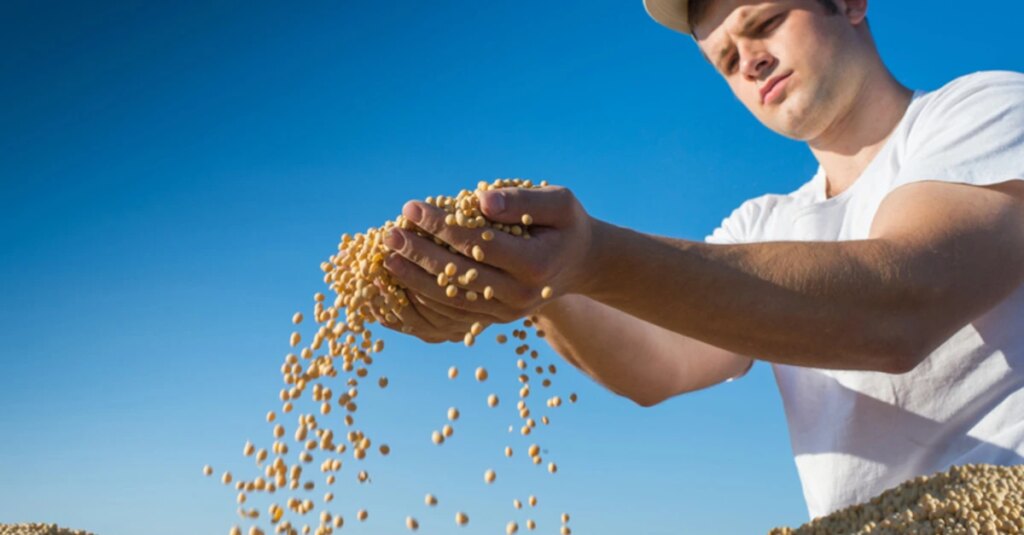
point(797, 68)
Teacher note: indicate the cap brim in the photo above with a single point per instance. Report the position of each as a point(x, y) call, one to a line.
point(669, 13)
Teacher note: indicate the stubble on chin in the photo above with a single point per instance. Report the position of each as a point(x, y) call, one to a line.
point(803, 113)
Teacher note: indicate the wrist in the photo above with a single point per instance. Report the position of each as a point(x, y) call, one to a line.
point(587, 275)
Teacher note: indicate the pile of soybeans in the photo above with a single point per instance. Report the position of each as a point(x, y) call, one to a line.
point(37, 529)
point(974, 499)
point(333, 367)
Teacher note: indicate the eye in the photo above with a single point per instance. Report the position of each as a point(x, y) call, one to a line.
point(769, 23)
point(731, 64)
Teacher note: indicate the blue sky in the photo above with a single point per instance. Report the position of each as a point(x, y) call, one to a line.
point(173, 173)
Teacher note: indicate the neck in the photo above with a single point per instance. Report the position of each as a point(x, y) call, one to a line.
point(846, 148)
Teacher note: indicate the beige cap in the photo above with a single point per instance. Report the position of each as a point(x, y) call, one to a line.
point(669, 13)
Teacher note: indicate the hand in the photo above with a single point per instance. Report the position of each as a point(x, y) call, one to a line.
point(515, 268)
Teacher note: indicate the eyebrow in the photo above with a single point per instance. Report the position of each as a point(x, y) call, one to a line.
point(748, 26)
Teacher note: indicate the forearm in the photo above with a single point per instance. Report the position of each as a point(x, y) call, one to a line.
point(842, 305)
point(632, 357)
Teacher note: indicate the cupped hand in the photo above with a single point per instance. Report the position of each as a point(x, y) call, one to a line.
point(507, 282)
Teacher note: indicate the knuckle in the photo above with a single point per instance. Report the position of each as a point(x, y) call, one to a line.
point(433, 219)
point(412, 249)
point(571, 207)
point(426, 257)
point(563, 194)
point(396, 264)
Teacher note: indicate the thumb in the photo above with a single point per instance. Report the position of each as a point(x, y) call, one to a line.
point(550, 206)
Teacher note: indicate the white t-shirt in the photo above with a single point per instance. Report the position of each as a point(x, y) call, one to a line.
point(855, 434)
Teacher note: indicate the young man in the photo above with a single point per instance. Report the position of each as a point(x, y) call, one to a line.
point(886, 292)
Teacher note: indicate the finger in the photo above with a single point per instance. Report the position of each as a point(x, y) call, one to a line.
point(464, 318)
point(434, 259)
point(431, 220)
point(503, 253)
point(414, 278)
point(426, 253)
point(393, 325)
point(417, 324)
point(425, 308)
point(462, 327)
point(550, 206)
point(451, 330)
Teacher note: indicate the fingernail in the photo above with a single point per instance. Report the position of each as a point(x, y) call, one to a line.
point(497, 203)
point(414, 213)
point(394, 239)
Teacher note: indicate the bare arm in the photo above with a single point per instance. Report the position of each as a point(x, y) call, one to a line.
point(632, 357)
point(939, 255)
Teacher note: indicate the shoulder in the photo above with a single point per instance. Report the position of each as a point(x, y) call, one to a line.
point(984, 80)
point(984, 89)
point(985, 106)
point(968, 131)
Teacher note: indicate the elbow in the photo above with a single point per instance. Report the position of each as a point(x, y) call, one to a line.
point(905, 353)
point(897, 364)
point(646, 402)
point(643, 397)
point(646, 399)
point(891, 342)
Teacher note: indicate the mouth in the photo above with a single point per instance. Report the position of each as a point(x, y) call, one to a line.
point(771, 90)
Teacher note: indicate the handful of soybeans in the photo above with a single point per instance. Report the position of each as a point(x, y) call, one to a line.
point(331, 369)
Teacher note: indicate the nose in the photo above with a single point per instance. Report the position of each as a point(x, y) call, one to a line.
point(756, 63)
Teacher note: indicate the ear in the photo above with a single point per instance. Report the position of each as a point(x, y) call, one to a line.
point(854, 10)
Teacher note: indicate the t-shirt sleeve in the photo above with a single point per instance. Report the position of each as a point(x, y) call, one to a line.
point(972, 133)
point(737, 228)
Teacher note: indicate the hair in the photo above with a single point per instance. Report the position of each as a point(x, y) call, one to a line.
point(696, 9)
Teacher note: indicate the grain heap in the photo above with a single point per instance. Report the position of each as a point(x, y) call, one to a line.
point(975, 499)
point(365, 293)
point(38, 529)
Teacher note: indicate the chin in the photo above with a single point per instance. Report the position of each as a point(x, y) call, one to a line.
point(794, 120)
point(789, 132)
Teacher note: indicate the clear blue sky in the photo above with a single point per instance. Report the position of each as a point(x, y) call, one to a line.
point(173, 173)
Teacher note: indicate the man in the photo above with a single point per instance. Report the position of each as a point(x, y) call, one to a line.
point(886, 292)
